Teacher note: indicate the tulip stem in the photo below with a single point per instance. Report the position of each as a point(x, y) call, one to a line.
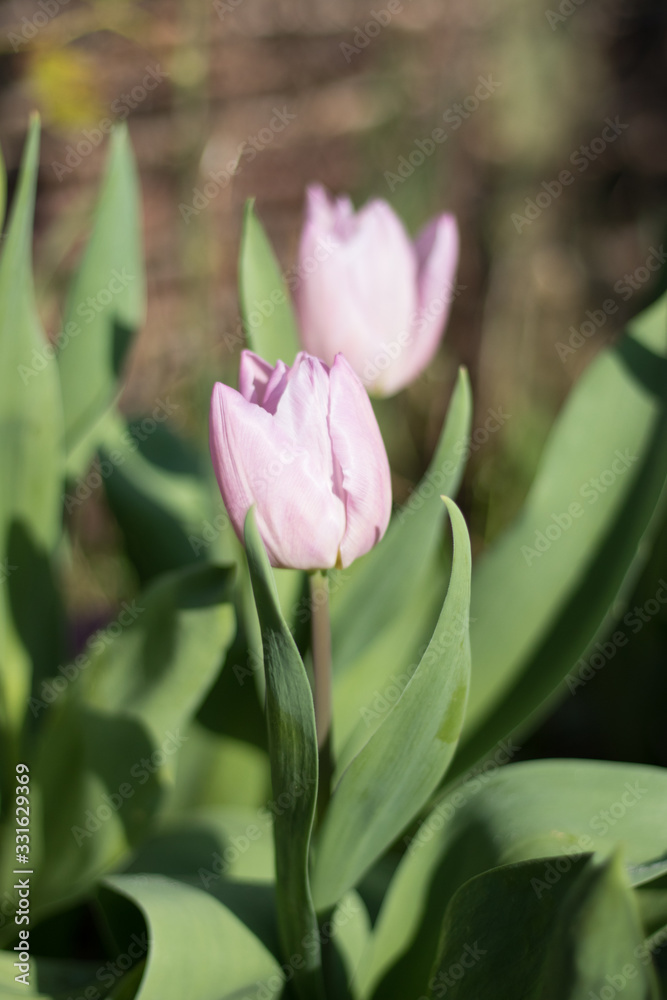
point(321, 652)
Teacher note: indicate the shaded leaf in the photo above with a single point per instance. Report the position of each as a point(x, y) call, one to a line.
point(294, 767)
point(508, 815)
point(535, 613)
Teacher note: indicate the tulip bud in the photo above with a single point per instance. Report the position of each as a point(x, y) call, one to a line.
point(374, 295)
point(302, 444)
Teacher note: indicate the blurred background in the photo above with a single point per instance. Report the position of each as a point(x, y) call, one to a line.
point(241, 98)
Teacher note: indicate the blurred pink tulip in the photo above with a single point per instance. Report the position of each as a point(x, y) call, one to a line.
point(302, 444)
point(369, 292)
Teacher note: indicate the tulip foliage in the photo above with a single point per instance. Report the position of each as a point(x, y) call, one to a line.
point(240, 787)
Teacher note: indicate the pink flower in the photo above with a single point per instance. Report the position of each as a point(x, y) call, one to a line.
point(368, 291)
point(302, 444)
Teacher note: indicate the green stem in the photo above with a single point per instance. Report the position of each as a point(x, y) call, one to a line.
point(321, 651)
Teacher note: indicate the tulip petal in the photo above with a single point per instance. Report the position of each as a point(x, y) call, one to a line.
point(254, 374)
point(326, 213)
point(363, 468)
point(362, 296)
point(437, 251)
point(258, 461)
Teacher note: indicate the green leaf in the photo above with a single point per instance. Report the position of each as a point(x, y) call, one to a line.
point(158, 492)
point(198, 948)
point(404, 760)
point(509, 933)
point(504, 815)
point(212, 844)
point(31, 455)
point(495, 934)
point(597, 943)
point(384, 607)
point(266, 306)
point(106, 303)
point(353, 932)
point(534, 614)
point(294, 766)
point(111, 739)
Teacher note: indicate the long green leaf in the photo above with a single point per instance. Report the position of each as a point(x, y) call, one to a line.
point(384, 607)
point(544, 592)
point(265, 300)
point(294, 767)
point(404, 760)
point(106, 303)
point(31, 450)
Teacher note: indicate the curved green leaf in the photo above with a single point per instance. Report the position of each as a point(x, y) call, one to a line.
point(294, 767)
point(392, 777)
point(268, 316)
point(598, 941)
point(105, 305)
point(197, 947)
point(507, 933)
point(505, 815)
point(111, 736)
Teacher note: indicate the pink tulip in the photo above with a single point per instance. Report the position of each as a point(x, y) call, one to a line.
point(366, 290)
point(302, 444)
